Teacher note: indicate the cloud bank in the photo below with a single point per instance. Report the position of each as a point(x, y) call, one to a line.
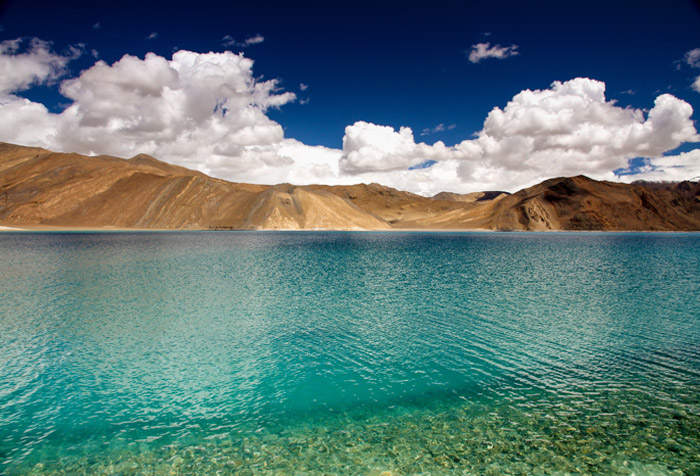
point(568, 129)
point(207, 111)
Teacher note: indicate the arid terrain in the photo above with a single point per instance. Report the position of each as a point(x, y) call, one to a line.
point(44, 189)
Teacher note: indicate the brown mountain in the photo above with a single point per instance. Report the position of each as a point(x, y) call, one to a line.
point(470, 197)
point(579, 203)
point(40, 188)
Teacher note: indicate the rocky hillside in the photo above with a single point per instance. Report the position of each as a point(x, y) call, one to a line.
point(40, 188)
point(579, 203)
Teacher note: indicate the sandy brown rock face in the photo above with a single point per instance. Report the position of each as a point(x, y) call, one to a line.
point(40, 187)
point(470, 197)
point(287, 207)
point(399, 209)
point(579, 203)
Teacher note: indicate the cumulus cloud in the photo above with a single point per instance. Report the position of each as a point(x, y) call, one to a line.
point(482, 51)
point(208, 111)
point(252, 40)
point(568, 129)
point(571, 129)
point(371, 148)
point(204, 111)
point(696, 84)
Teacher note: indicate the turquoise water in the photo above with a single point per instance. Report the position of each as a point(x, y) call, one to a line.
point(349, 353)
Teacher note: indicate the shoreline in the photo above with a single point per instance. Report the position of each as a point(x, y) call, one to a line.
point(115, 229)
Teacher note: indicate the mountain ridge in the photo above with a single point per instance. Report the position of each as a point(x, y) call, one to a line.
point(41, 188)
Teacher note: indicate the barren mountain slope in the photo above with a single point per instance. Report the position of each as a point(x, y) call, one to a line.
point(289, 207)
point(39, 187)
point(400, 209)
point(470, 197)
point(580, 203)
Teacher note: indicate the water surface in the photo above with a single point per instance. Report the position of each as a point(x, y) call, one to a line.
point(349, 353)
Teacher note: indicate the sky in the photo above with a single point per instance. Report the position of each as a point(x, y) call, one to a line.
point(422, 96)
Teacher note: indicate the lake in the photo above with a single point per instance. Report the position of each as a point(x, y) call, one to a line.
point(312, 353)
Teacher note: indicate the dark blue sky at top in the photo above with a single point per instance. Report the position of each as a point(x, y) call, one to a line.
point(392, 63)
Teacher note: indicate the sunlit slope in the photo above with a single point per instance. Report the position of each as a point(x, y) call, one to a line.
point(39, 187)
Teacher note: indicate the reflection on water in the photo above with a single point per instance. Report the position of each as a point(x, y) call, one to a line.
point(349, 353)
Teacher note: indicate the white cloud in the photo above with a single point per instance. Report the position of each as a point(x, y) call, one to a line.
point(252, 40)
point(303, 87)
point(204, 111)
point(152, 36)
point(571, 129)
point(371, 148)
point(684, 166)
point(692, 58)
point(481, 51)
point(575, 117)
point(96, 26)
point(23, 65)
point(207, 111)
point(439, 128)
point(568, 129)
point(312, 164)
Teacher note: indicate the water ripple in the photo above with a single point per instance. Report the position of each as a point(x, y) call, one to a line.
point(251, 352)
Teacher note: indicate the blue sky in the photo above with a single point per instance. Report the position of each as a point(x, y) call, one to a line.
point(389, 64)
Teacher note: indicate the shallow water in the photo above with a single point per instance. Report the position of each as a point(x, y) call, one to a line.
point(349, 353)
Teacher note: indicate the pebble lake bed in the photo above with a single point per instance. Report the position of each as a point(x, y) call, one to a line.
point(331, 353)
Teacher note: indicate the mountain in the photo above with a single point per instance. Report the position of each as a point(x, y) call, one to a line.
point(40, 188)
point(470, 197)
point(580, 203)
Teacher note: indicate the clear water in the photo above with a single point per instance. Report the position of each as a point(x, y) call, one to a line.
point(349, 353)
